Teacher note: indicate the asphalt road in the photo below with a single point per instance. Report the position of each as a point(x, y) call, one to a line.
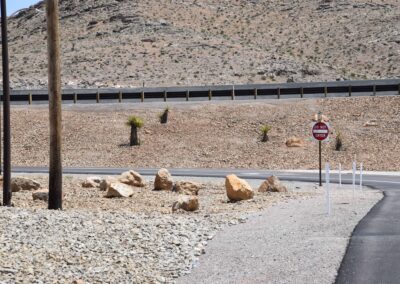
point(373, 253)
point(376, 180)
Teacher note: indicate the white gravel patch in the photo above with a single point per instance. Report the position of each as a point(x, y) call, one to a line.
point(291, 242)
point(42, 246)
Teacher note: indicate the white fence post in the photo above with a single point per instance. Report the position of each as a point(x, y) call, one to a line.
point(361, 174)
point(354, 178)
point(328, 194)
point(340, 175)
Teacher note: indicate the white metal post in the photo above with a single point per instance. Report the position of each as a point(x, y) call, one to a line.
point(354, 178)
point(328, 194)
point(361, 175)
point(340, 175)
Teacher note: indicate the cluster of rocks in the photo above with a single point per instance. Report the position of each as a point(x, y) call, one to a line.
point(125, 185)
point(26, 184)
point(237, 189)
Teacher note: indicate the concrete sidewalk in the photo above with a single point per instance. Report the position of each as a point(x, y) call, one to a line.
point(373, 254)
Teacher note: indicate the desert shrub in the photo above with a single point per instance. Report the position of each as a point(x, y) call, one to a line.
point(135, 121)
point(338, 142)
point(264, 132)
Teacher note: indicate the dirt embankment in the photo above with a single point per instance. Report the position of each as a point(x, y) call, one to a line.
point(209, 135)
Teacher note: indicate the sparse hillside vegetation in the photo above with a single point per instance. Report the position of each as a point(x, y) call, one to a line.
point(180, 42)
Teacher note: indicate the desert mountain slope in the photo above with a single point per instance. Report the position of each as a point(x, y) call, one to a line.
point(196, 42)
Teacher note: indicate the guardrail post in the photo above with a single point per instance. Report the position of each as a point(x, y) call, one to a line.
point(187, 95)
point(279, 93)
point(142, 96)
point(374, 90)
point(326, 91)
point(75, 98)
point(97, 97)
point(209, 94)
point(30, 98)
point(350, 91)
point(165, 95)
point(255, 93)
point(233, 93)
point(301, 92)
point(120, 97)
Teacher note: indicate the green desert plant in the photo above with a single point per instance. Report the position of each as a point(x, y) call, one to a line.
point(135, 123)
point(338, 141)
point(264, 132)
point(164, 116)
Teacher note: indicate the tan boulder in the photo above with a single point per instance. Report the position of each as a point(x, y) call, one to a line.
point(21, 183)
point(272, 184)
point(238, 189)
point(324, 118)
point(41, 194)
point(187, 187)
point(106, 182)
point(117, 189)
point(163, 180)
point(294, 142)
point(187, 203)
point(132, 178)
point(92, 182)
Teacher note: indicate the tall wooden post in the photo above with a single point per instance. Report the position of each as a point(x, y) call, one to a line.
point(54, 69)
point(6, 109)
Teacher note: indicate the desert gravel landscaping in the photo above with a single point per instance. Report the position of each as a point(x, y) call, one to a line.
point(213, 134)
point(139, 240)
point(132, 240)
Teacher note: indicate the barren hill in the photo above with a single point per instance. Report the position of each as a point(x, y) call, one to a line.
point(196, 42)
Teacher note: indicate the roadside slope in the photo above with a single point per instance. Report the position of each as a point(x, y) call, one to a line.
point(208, 135)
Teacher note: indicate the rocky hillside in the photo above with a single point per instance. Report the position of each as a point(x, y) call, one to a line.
point(196, 42)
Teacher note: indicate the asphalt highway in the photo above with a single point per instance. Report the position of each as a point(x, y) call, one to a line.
point(376, 180)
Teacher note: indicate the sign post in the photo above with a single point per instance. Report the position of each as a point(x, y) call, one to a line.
point(320, 132)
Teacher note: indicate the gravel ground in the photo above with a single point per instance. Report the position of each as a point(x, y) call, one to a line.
point(291, 242)
point(100, 240)
point(139, 240)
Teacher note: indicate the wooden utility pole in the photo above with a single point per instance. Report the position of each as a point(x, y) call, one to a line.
point(54, 69)
point(6, 109)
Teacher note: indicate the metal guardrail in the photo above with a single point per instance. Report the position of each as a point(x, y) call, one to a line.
point(373, 87)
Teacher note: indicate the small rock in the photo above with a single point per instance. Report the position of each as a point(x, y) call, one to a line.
point(117, 189)
point(187, 203)
point(21, 183)
point(323, 117)
point(105, 183)
point(92, 182)
point(294, 142)
point(163, 180)
point(272, 184)
point(238, 189)
point(132, 178)
point(42, 194)
point(371, 123)
point(187, 187)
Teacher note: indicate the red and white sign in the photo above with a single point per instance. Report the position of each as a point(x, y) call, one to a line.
point(320, 131)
